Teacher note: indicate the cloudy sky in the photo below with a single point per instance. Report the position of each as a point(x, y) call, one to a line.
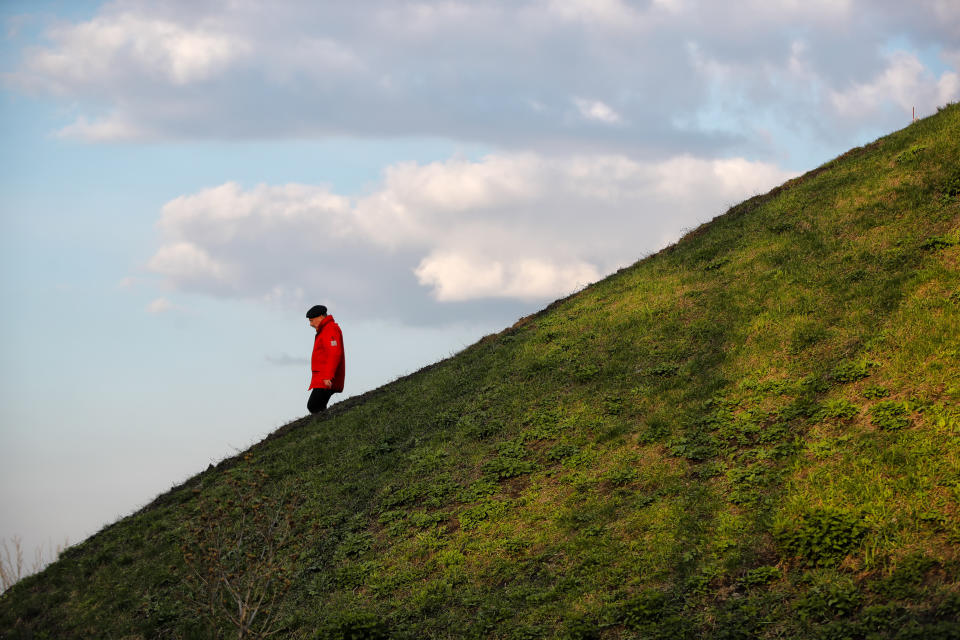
point(181, 180)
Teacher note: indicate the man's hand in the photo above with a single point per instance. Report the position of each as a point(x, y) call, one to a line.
point(328, 384)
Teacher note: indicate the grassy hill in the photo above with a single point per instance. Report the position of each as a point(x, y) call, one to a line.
point(754, 433)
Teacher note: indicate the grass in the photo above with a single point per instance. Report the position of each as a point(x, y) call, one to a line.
point(752, 434)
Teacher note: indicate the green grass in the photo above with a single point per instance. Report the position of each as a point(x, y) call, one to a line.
point(752, 434)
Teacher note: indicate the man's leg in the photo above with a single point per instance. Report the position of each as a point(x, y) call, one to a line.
point(318, 400)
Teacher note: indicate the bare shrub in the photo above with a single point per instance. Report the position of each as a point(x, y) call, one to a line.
point(14, 568)
point(234, 550)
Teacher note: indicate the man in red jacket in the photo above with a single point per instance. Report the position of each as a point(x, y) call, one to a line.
point(327, 364)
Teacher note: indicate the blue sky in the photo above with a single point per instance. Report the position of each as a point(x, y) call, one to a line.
point(181, 181)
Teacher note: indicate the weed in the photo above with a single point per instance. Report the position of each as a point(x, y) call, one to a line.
point(761, 576)
point(562, 451)
point(643, 608)
point(748, 483)
point(580, 627)
point(905, 580)
point(850, 371)
point(829, 598)
point(882, 617)
point(585, 372)
point(822, 536)
point(472, 517)
point(949, 607)
point(739, 619)
point(479, 427)
point(621, 476)
point(661, 370)
point(875, 392)
point(910, 155)
point(839, 409)
point(503, 467)
point(716, 264)
point(951, 186)
point(890, 415)
point(478, 490)
point(353, 625)
point(806, 335)
point(935, 243)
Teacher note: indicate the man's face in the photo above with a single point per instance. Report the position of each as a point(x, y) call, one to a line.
point(315, 322)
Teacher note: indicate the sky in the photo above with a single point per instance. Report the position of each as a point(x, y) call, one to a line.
point(181, 180)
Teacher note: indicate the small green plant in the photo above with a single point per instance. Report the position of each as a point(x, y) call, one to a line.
point(890, 415)
point(951, 186)
point(910, 155)
point(829, 599)
point(714, 265)
point(850, 371)
point(621, 476)
point(586, 372)
point(694, 446)
point(561, 451)
point(761, 576)
point(503, 467)
point(478, 427)
point(472, 517)
point(478, 490)
point(822, 536)
point(580, 627)
point(748, 483)
point(875, 392)
point(840, 409)
point(353, 625)
point(354, 544)
point(544, 425)
point(904, 582)
point(935, 243)
point(661, 370)
point(881, 617)
point(643, 608)
point(826, 447)
point(806, 335)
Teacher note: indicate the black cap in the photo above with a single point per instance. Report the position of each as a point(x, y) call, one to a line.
point(316, 311)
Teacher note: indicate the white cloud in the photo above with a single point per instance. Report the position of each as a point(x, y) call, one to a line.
point(510, 226)
point(951, 57)
point(187, 263)
point(501, 73)
point(113, 128)
point(604, 12)
point(160, 305)
point(906, 83)
point(96, 52)
point(459, 276)
point(227, 213)
point(823, 9)
point(948, 88)
point(597, 110)
point(673, 6)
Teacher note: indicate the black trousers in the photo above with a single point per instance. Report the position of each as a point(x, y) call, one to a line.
point(318, 400)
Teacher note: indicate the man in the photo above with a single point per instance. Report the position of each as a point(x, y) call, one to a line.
point(327, 364)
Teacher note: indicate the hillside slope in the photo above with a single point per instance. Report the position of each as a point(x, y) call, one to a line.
point(754, 433)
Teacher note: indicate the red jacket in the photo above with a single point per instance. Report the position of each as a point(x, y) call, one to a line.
point(328, 362)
